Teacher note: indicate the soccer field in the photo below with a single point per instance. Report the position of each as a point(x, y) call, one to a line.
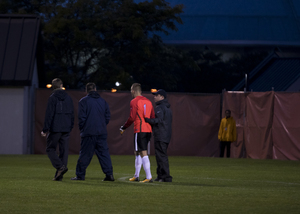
point(200, 185)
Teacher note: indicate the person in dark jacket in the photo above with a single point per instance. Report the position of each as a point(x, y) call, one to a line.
point(93, 116)
point(162, 131)
point(59, 121)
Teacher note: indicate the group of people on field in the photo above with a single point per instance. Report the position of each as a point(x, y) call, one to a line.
point(93, 117)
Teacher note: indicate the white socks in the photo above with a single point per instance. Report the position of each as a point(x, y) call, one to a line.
point(146, 166)
point(138, 166)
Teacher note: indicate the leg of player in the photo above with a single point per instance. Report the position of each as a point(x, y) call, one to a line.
point(138, 166)
point(146, 166)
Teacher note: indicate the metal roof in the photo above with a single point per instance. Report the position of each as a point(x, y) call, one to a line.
point(247, 22)
point(18, 43)
point(280, 75)
point(274, 73)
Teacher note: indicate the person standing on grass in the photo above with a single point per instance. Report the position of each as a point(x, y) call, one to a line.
point(140, 107)
point(59, 121)
point(227, 133)
point(93, 117)
point(162, 131)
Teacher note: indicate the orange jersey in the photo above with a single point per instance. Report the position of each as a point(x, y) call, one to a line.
point(140, 107)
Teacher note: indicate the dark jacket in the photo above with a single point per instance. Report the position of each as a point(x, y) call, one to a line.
point(93, 115)
point(162, 123)
point(60, 112)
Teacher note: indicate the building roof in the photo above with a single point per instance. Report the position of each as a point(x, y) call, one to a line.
point(274, 73)
point(232, 22)
point(18, 44)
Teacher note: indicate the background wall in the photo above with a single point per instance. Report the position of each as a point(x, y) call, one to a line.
point(267, 124)
point(195, 123)
point(11, 120)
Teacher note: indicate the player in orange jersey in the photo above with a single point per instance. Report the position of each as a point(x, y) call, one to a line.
point(140, 107)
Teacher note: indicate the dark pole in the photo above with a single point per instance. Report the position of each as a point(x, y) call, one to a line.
point(246, 82)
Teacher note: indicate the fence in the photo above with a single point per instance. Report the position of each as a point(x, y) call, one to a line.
point(267, 124)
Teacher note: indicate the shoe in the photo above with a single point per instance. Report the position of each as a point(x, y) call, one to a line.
point(134, 179)
point(57, 179)
point(77, 179)
point(159, 179)
point(109, 178)
point(60, 172)
point(147, 180)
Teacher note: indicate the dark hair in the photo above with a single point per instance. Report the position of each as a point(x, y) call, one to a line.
point(228, 111)
point(90, 87)
point(56, 83)
point(137, 87)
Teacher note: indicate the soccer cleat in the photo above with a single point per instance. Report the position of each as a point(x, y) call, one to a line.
point(109, 178)
point(58, 179)
point(60, 172)
point(159, 179)
point(134, 179)
point(147, 180)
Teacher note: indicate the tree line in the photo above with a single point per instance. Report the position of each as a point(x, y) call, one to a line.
point(108, 41)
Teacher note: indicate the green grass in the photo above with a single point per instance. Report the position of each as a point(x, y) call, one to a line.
point(200, 185)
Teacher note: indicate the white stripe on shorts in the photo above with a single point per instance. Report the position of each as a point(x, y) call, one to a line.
point(135, 142)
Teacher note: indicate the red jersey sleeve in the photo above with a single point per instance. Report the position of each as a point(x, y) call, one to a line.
point(133, 110)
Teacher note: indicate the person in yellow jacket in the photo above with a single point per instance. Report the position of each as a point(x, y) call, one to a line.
point(227, 133)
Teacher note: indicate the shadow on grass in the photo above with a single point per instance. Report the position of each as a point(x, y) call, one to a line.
point(118, 183)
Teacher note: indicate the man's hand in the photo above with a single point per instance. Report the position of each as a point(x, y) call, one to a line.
point(122, 130)
point(43, 134)
point(147, 119)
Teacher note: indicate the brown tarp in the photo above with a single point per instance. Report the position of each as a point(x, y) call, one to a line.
point(286, 126)
point(195, 125)
point(267, 124)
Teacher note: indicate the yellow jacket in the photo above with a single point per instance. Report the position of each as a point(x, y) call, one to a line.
point(227, 131)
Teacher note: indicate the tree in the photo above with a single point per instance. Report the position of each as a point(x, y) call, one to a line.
point(217, 74)
point(105, 41)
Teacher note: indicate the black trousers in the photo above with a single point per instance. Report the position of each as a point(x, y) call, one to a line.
point(224, 144)
point(60, 139)
point(90, 145)
point(162, 161)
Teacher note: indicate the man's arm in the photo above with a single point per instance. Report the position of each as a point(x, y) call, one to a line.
point(49, 115)
point(107, 113)
point(220, 130)
point(81, 114)
point(130, 120)
point(159, 117)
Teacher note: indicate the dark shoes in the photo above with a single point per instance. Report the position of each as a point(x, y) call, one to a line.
point(163, 180)
point(109, 178)
point(77, 179)
point(60, 172)
point(57, 179)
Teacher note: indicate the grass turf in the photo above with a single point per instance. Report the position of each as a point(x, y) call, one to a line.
point(200, 185)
